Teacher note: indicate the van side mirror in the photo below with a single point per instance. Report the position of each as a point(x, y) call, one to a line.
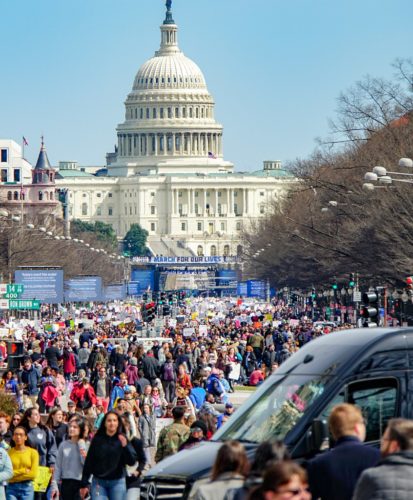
point(319, 436)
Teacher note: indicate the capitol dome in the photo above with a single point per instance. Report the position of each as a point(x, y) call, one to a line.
point(169, 116)
point(172, 71)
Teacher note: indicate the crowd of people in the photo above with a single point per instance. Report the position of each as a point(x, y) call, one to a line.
point(98, 404)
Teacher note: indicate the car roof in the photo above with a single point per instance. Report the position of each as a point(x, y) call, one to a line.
point(330, 353)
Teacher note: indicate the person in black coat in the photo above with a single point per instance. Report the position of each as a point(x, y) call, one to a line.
point(333, 475)
point(150, 366)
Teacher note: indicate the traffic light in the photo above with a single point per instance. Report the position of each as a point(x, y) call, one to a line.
point(145, 297)
point(313, 293)
point(370, 311)
point(162, 299)
point(166, 310)
point(171, 298)
point(334, 286)
point(409, 283)
point(15, 351)
point(352, 281)
point(149, 312)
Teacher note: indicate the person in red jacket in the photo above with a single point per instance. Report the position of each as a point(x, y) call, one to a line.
point(83, 395)
point(69, 363)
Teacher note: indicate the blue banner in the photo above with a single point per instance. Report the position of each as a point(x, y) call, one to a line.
point(252, 288)
point(83, 289)
point(242, 289)
point(45, 285)
point(144, 279)
point(114, 292)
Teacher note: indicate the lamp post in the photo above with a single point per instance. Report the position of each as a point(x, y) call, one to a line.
point(386, 178)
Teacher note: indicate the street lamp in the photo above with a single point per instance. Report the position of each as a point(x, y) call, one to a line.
point(381, 175)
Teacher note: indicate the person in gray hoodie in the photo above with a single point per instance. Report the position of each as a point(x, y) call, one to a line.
point(393, 476)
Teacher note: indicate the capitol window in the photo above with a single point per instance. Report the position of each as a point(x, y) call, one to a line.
point(157, 80)
point(110, 211)
point(183, 112)
point(222, 226)
point(238, 226)
point(169, 112)
point(84, 208)
point(163, 80)
point(176, 112)
point(197, 113)
point(154, 113)
point(262, 209)
point(219, 194)
point(161, 113)
point(261, 193)
point(183, 226)
point(141, 113)
point(98, 211)
point(235, 194)
point(84, 195)
point(147, 113)
point(200, 251)
point(190, 112)
point(199, 226)
point(180, 194)
point(110, 195)
point(98, 195)
point(196, 194)
point(153, 227)
point(213, 250)
point(152, 210)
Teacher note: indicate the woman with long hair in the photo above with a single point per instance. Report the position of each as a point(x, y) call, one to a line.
point(268, 452)
point(282, 481)
point(40, 437)
point(228, 472)
point(147, 431)
point(10, 384)
point(56, 424)
point(25, 462)
point(108, 455)
point(69, 363)
point(70, 460)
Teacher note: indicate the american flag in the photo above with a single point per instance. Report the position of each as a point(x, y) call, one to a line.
point(211, 155)
point(25, 141)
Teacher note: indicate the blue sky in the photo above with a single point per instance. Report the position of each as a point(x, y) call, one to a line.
point(274, 67)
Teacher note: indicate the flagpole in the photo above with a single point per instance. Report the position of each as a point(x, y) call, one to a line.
point(21, 185)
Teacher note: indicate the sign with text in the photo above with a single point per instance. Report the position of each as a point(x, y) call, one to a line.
point(114, 292)
point(44, 285)
point(83, 289)
point(32, 305)
point(218, 259)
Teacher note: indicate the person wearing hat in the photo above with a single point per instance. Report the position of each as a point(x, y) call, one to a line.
point(132, 371)
point(198, 433)
point(71, 410)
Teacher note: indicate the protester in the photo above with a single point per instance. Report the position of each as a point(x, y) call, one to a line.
point(198, 433)
point(333, 475)
point(147, 431)
point(40, 437)
point(57, 426)
point(70, 460)
point(6, 470)
point(228, 472)
point(133, 477)
point(284, 480)
point(392, 478)
point(25, 461)
point(108, 455)
point(171, 437)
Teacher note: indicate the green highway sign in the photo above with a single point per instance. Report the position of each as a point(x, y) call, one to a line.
point(32, 305)
point(15, 288)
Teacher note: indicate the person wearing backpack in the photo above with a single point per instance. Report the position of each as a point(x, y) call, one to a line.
point(168, 378)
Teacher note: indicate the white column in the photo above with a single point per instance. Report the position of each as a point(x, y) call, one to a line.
point(165, 144)
point(177, 201)
point(244, 200)
point(232, 201)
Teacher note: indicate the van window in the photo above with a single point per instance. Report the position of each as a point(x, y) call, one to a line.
point(277, 410)
point(377, 400)
point(387, 360)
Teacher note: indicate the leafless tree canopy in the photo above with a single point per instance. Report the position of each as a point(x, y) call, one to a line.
point(303, 244)
point(20, 246)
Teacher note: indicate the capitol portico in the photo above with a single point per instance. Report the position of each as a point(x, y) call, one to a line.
point(168, 171)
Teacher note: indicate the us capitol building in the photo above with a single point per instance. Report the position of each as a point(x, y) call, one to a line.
point(168, 171)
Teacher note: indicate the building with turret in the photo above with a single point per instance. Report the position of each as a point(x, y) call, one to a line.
point(168, 171)
point(27, 192)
